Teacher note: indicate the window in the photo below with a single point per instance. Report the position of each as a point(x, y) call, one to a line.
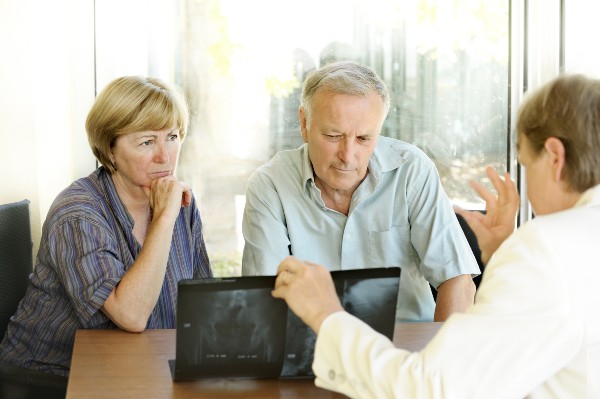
point(445, 63)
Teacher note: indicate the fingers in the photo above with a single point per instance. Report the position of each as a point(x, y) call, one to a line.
point(506, 191)
point(475, 219)
point(506, 188)
point(167, 195)
point(286, 269)
point(485, 194)
point(493, 227)
point(169, 188)
point(471, 217)
point(289, 264)
point(498, 183)
point(512, 194)
point(186, 198)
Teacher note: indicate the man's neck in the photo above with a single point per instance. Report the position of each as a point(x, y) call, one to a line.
point(337, 200)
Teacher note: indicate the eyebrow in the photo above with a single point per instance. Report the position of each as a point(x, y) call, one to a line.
point(145, 134)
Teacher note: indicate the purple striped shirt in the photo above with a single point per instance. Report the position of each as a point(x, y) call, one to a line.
point(87, 245)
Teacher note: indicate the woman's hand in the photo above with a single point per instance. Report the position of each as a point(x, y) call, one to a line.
point(167, 195)
point(499, 221)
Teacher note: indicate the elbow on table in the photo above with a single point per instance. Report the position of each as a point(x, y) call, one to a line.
point(133, 322)
point(134, 327)
point(128, 321)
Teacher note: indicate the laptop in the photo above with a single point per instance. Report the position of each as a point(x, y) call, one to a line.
point(233, 327)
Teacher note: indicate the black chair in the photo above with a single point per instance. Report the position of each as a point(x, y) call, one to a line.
point(19, 383)
point(16, 264)
point(472, 240)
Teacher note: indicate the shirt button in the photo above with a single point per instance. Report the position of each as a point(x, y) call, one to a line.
point(331, 375)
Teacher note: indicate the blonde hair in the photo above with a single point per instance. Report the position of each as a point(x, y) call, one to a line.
point(568, 108)
point(133, 104)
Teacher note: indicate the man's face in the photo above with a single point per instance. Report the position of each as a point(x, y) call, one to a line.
point(341, 137)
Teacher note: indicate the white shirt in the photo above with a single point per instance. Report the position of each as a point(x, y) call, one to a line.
point(534, 330)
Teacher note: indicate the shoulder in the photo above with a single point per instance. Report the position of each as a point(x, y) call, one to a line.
point(285, 166)
point(557, 238)
point(83, 199)
point(392, 154)
point(570, 222)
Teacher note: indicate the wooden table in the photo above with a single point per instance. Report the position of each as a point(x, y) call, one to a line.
point(118, 364)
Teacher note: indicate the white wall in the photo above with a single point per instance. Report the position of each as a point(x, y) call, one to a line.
point(47, 86)
point(582, 31)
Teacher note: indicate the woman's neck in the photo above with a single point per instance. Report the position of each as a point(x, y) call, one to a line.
point(138, 206)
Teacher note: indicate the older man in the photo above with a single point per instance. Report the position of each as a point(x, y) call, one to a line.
point(349, 199)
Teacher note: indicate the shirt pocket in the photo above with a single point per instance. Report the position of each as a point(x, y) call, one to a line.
point(391, 247)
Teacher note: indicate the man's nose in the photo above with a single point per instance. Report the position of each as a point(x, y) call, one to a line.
point(346, 150)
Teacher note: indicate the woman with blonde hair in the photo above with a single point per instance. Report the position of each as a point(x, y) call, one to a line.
point(115, 243)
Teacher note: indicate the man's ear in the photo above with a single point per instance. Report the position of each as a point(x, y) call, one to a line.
point(303, 127)
point(556, 151)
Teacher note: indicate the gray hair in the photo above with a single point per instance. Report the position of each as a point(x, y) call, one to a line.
point(343, 77)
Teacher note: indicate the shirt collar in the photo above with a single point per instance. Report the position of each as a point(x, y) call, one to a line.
point(590, 197)
point(385, 157)
point(307, 170)
point(113, 199)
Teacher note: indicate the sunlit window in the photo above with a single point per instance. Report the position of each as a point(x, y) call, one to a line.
point(242, 64)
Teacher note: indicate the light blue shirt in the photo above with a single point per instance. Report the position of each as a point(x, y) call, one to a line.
point(399, 216)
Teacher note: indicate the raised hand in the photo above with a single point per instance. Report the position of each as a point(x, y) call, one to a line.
point(499, 221)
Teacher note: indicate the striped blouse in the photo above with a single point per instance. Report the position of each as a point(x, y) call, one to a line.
point(87, 245)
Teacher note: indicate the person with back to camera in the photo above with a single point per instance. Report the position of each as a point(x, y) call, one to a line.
point(534, 330)
point(351, 199)
point(114, 244)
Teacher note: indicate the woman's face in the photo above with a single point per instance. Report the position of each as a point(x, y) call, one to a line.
point(141, 157)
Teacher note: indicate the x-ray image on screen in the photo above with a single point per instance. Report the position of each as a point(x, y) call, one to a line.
point(359, 297)
point(299, 348)
point(371, 300)
point(235, 327)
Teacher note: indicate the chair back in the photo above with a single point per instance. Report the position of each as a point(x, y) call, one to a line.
point(472, 240)
point(16, 262)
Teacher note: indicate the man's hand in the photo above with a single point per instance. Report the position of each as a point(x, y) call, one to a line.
point(308, 290)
